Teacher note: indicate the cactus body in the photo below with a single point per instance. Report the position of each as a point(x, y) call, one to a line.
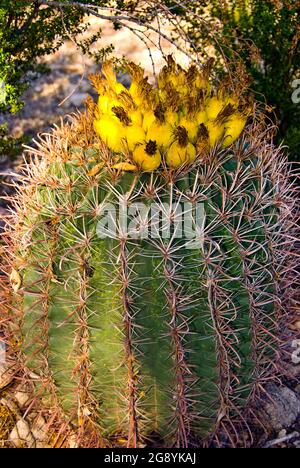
point(136, 336)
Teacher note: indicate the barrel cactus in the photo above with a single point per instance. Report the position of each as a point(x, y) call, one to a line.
point(148, 262)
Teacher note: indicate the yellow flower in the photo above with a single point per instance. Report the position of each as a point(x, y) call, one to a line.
point(178, 79)
point(181, 151)
point(111, 132)
point(136, 117)
point(233, 100)
point(134, 135)
point(135, 93)
point(162, 133)
point(147, 156)
point(148, 119)
point(106, 103)
point(233, 128)
point(215, 131)
point(123, 166)
point(172, 118)
point(178, 155)
point(177, 120)
point(213, 107)
point(119, 88)
point(201, 117)
point(192, 127)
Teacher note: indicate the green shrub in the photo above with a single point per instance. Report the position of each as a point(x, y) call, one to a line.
point(265, 35)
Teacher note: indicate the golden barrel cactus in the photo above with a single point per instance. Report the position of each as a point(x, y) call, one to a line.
point(158, 331)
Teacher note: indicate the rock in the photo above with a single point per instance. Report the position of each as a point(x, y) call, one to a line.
point(291, 370)
point(6, 375)
point(21, 398)
point(77, 99)
point(21, 435)
point(72, 442)
point(38, 88)
point(39, 429)
point(282, 434)
point(295, 325)
point(282, 409)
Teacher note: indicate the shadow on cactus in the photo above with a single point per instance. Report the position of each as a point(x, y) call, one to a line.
point(162, 324)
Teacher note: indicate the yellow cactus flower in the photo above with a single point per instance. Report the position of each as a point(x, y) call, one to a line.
point(181, 151)
point(213, 107)
point(124, 166)
point(233, 128)
point(201, 117)
point(134, 135)
point(180, 116)
point(178, 155)
point(172, 118)
point(119, 88)
point(232, 100)
point(201, 82)
point(215, 131)
point(136, 118)
point(147, 156)
point(162, 133)
point(111, 132)
point(192, 127)
point(135, 93)
point(148, 119)
point(106, 103)
point(178, 80)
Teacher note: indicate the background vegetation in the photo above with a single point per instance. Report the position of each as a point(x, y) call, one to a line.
point(263, 34)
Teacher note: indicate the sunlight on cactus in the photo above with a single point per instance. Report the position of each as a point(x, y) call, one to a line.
point(135, 339)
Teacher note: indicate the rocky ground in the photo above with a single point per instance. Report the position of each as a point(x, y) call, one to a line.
point(50, 97)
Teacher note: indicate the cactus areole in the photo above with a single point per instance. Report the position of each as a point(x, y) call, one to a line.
point(146, 268)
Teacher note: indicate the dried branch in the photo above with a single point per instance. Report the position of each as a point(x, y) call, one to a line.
point(142, 19)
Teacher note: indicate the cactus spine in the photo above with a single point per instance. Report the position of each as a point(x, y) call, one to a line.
point(129, 337)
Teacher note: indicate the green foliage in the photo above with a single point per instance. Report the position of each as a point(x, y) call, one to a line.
point(27, 32)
